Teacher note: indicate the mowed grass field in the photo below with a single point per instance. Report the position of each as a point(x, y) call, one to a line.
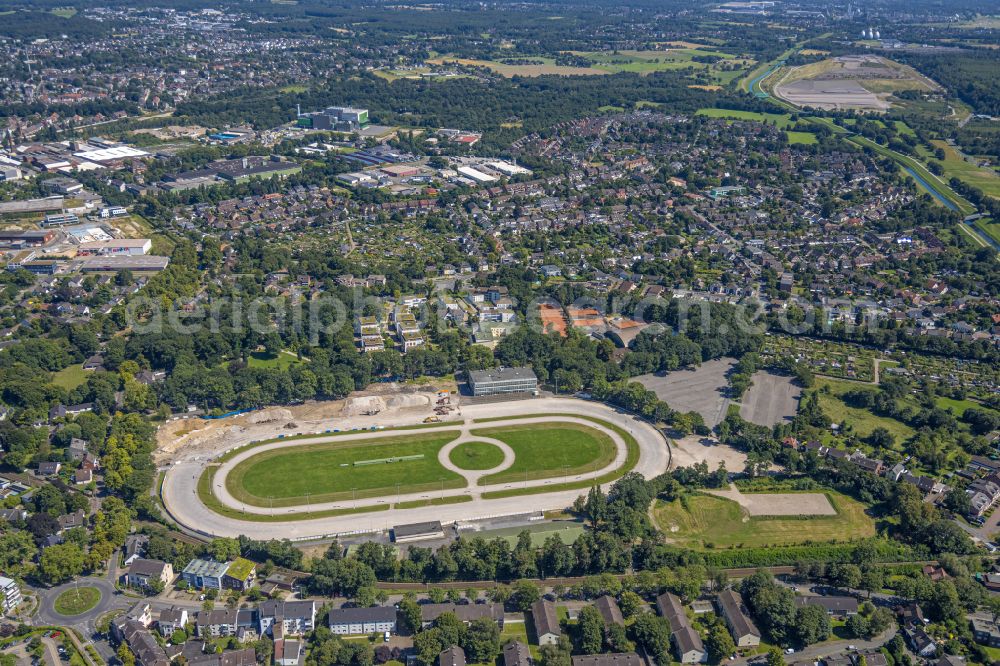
point(325, 472)
point(704, 521)
point(71, 377)
point(805, 138)
point(476, 455)
point(781, 120)
point(544, 451)
point(862, 420)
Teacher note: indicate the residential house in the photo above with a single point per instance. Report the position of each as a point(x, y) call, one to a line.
point(466, 613)
point(348, 621)
point(171, 619)
point(453, 656)
point(147, 573)
point(288, 652)
point(516, 653)
point(608, 659)
point(10, 595)
point(609, 610)
point(547, 629)
point(294, 617)
point(835, 606)
point(687, 642)
point(742, 628)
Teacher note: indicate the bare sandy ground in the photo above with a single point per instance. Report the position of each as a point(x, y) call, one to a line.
point(692, 449)
point(779, 504)
point(382, 405)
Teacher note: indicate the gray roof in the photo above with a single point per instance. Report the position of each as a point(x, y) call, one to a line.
point(613, 659)
point(464, 612)
point(609, 610)
point(153, 568)
point(830, 604)
point(688, 640)
point(453, 656)
point(415, 529)
point(732, 607)
point(355, 615)
point(543, 612)
point(501, 374)
point(516, 653)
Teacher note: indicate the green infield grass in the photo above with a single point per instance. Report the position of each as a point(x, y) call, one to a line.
point(328, 471)
point(544, 451)
point(476, 455)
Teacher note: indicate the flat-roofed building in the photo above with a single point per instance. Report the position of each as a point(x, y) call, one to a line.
point(417, 531)
point(499, 381)
point(115, 247)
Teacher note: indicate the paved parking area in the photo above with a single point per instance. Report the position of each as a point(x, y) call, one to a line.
point(771, 400)
point(701, 389)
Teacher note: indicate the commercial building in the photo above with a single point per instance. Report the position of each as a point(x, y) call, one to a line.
point(201, 574)
point(11, 598)
point(349, 621)
point(337, 118)
point(116, 247)
point(417, 531)
point(135, 263)
point(498, 381)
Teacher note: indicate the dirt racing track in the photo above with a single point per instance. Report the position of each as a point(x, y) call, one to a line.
point(179, 490)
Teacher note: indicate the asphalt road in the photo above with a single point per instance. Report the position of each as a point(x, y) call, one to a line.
point(181, 499)
point(47, 614)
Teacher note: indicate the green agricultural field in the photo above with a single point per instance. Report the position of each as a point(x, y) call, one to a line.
point(326, 472)
point(545, 451)
point(805, 138)
point(968, 172)
point(71, 377)
point(862, 420)
point(990, 228)
point(704, 521)
point(77, 600)
point(476, 455)
point(781, 120)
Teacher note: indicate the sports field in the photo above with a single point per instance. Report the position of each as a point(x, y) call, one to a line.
point(547, 451)
point(328, 471)
point(704, 521)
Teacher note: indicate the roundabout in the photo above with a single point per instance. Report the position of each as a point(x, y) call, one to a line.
point(501, 458)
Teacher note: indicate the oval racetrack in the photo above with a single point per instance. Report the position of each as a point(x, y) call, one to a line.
point(180, 484)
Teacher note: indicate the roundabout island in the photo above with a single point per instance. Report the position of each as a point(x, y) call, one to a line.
point(495, 459)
